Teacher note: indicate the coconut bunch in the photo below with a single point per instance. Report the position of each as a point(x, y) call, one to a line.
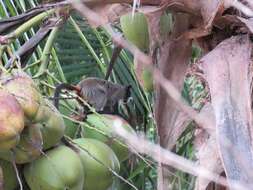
point(32, 129)
point(101, 152)
point(31, 123)
point(8, 176)
point(88, 162)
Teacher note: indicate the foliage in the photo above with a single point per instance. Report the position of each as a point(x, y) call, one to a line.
point(79, 51)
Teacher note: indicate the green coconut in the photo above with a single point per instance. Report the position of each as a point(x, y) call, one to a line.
point(166, 24)
point(11, 120)
point(10, 181)
point(44, 111)
point(29, 147)
point(60, 169)
point(25, 91)
point(144, 75)
point(96, 158)
point(135, 29)
point(65, 108)
point(101, 127)
point(147, 78)
point(53, 128)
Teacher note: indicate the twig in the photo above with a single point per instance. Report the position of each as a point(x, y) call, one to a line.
point(147, 161)
point(171, 159)
point(16, 170)
point(1, 178)
point(250, 3)
point(47, 50)
point(241, 7)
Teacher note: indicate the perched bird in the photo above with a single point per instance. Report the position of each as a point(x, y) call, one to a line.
point(101, 94)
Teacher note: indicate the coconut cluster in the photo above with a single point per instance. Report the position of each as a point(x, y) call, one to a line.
point(26, 120)
point(31, 129)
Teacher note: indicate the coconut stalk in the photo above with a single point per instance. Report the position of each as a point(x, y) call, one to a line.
point(2, 49)
point(8, 24)
point(28, 48)
point(27, 25)
point(47, 51)
point(58, 66)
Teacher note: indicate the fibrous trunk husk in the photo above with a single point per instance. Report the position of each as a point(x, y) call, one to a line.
point(171, 58)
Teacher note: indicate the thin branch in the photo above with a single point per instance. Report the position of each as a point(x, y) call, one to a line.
point(47, 50)
point(169, 158)
point(147, 161)
point(241, 7)
point(250, 3)
point(16, 170)
point(143, 2)
point(1, 178)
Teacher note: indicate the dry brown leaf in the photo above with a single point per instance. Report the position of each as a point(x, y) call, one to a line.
point(25, 51)
point(208, 11)
point(112, 12)
point(187, 6)
point(173, 60)
point(208, 157)
point(248, 23)
point(153, 15)
point(207, 150)
point(181, 122)
point(203, 12)
point(232, 21)
point(226, 70)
